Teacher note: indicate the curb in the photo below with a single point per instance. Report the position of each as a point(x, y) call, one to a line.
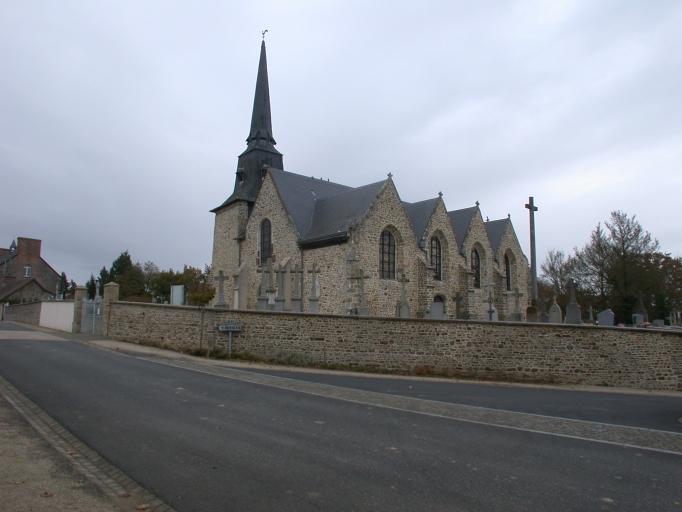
point(117, 486)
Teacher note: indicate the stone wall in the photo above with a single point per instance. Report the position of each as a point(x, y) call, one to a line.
point(28, 313)
point(635, 358)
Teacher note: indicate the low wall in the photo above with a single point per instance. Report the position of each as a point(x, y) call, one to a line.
point(636, 358)
point(28, 313)
point(57, 314)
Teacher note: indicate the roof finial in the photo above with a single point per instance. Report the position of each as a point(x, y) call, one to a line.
point(264, 32)
point(440, 194)
point(509, 215)
point(477, 203)
point(487, 219)
point(390, 175)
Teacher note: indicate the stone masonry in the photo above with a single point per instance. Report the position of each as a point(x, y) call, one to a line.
point(635, 358)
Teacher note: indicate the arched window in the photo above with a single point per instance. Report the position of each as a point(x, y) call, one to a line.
point(436, 257)
point(476, 267)
point(507, 270)
point(265, 241)
point(387, 255)
point(27, 270)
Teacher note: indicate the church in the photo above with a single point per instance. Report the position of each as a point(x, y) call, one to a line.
point(287, 242)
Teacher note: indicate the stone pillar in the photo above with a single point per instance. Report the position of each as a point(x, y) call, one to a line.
point(79, 295)
point(110, 294)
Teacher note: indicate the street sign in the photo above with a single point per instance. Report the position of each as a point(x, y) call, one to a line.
point(229, 326)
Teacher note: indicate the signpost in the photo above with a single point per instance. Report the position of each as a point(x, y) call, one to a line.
point(229, 327)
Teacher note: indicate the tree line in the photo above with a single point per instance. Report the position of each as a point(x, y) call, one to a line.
point(147, 283)
point(620, 261)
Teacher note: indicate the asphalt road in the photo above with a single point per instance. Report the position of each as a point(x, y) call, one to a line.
point(207, 443)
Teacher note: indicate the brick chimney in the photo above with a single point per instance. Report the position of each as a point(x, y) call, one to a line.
point(28, 250)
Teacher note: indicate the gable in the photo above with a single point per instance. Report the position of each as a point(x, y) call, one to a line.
point(461, 220)
point(419, 214)
point(495, 230)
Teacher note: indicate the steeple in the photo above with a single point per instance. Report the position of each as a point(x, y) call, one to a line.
point(260, 150)
point(261, 121)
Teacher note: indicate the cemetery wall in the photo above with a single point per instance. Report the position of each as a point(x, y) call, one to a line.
point(26, 313)
point(635, 358)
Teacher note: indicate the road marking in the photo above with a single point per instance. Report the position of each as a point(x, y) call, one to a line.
point(628, 437)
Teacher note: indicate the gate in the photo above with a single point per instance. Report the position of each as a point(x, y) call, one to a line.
point(91, 318)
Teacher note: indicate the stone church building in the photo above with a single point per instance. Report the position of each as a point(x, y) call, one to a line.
point(355, 250)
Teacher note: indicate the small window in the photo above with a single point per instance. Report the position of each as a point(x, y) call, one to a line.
point(436, 257)
point(27, 270)
point(507, 270)
point(476, 267)
point(387, 255)
point(265, 242)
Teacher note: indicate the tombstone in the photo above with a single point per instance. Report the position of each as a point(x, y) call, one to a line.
point(436, 309)
point(491, 312)
point(457, 299)
point(605, 318)
point(637, 320)
point(279, 299)
point(659, 323)
point(640, 307)
point(271, 289)
point(296, 297)
point(573, 315)
point(286, 283)
point(590, 318)
point(555, 316)
point(532, 313)
point(264, 285)
point(177, 295)
point(402, 309)
point(517, 316)
point(241, 286)
point(544, 317)
point(220, 279)
point(314, 298)
point(363, 310)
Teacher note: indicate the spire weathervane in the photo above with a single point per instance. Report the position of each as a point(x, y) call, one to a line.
point(264, 32)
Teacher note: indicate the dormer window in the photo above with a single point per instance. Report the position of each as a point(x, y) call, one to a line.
point(27, 270)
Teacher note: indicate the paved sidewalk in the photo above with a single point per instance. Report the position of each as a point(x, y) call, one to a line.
point(35, 477)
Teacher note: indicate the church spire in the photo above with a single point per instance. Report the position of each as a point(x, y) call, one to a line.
point(260, 153)
point(261, 120)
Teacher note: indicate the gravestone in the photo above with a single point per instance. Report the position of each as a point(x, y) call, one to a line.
point(363, 310)
point(491, 312)
point(286, 283)
point(605, 318)
point(517, 315)
point(640, 308)
point(220, 279)
point(532, 313)
point(436, 310)
point(555, 316)
point(659, 323)
point(314, 298)
point(590, 312)
point(573, 315)
point(241, 286)
point(297, 297)
point(177, 295)
point(637, 320)
point(271, 289)
point(264, 285)
point(457, 299)
point(402, 309)
point(279, 299)
point(544, 317)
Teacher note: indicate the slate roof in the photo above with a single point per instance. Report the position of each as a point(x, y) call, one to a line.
point(460, 220)
point(9, 287)
point(419, 214)
point(333, 215)
point(495, 229)
point(7, 256)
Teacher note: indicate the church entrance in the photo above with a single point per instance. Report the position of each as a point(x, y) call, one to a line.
point(436, 311)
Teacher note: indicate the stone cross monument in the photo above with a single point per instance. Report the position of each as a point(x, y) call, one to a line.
point(402, 309)
point(532, 310)
point(314, 298)
point(573, 315)
point(220, 279)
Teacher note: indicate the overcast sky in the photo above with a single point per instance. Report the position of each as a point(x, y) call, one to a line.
point(121, 122)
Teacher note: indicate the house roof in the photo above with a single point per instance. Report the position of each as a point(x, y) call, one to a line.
point(419, 215)
point(461, 220)
point(495, 229)
point(9, 287)
point(7, 256)
point(332, 216)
